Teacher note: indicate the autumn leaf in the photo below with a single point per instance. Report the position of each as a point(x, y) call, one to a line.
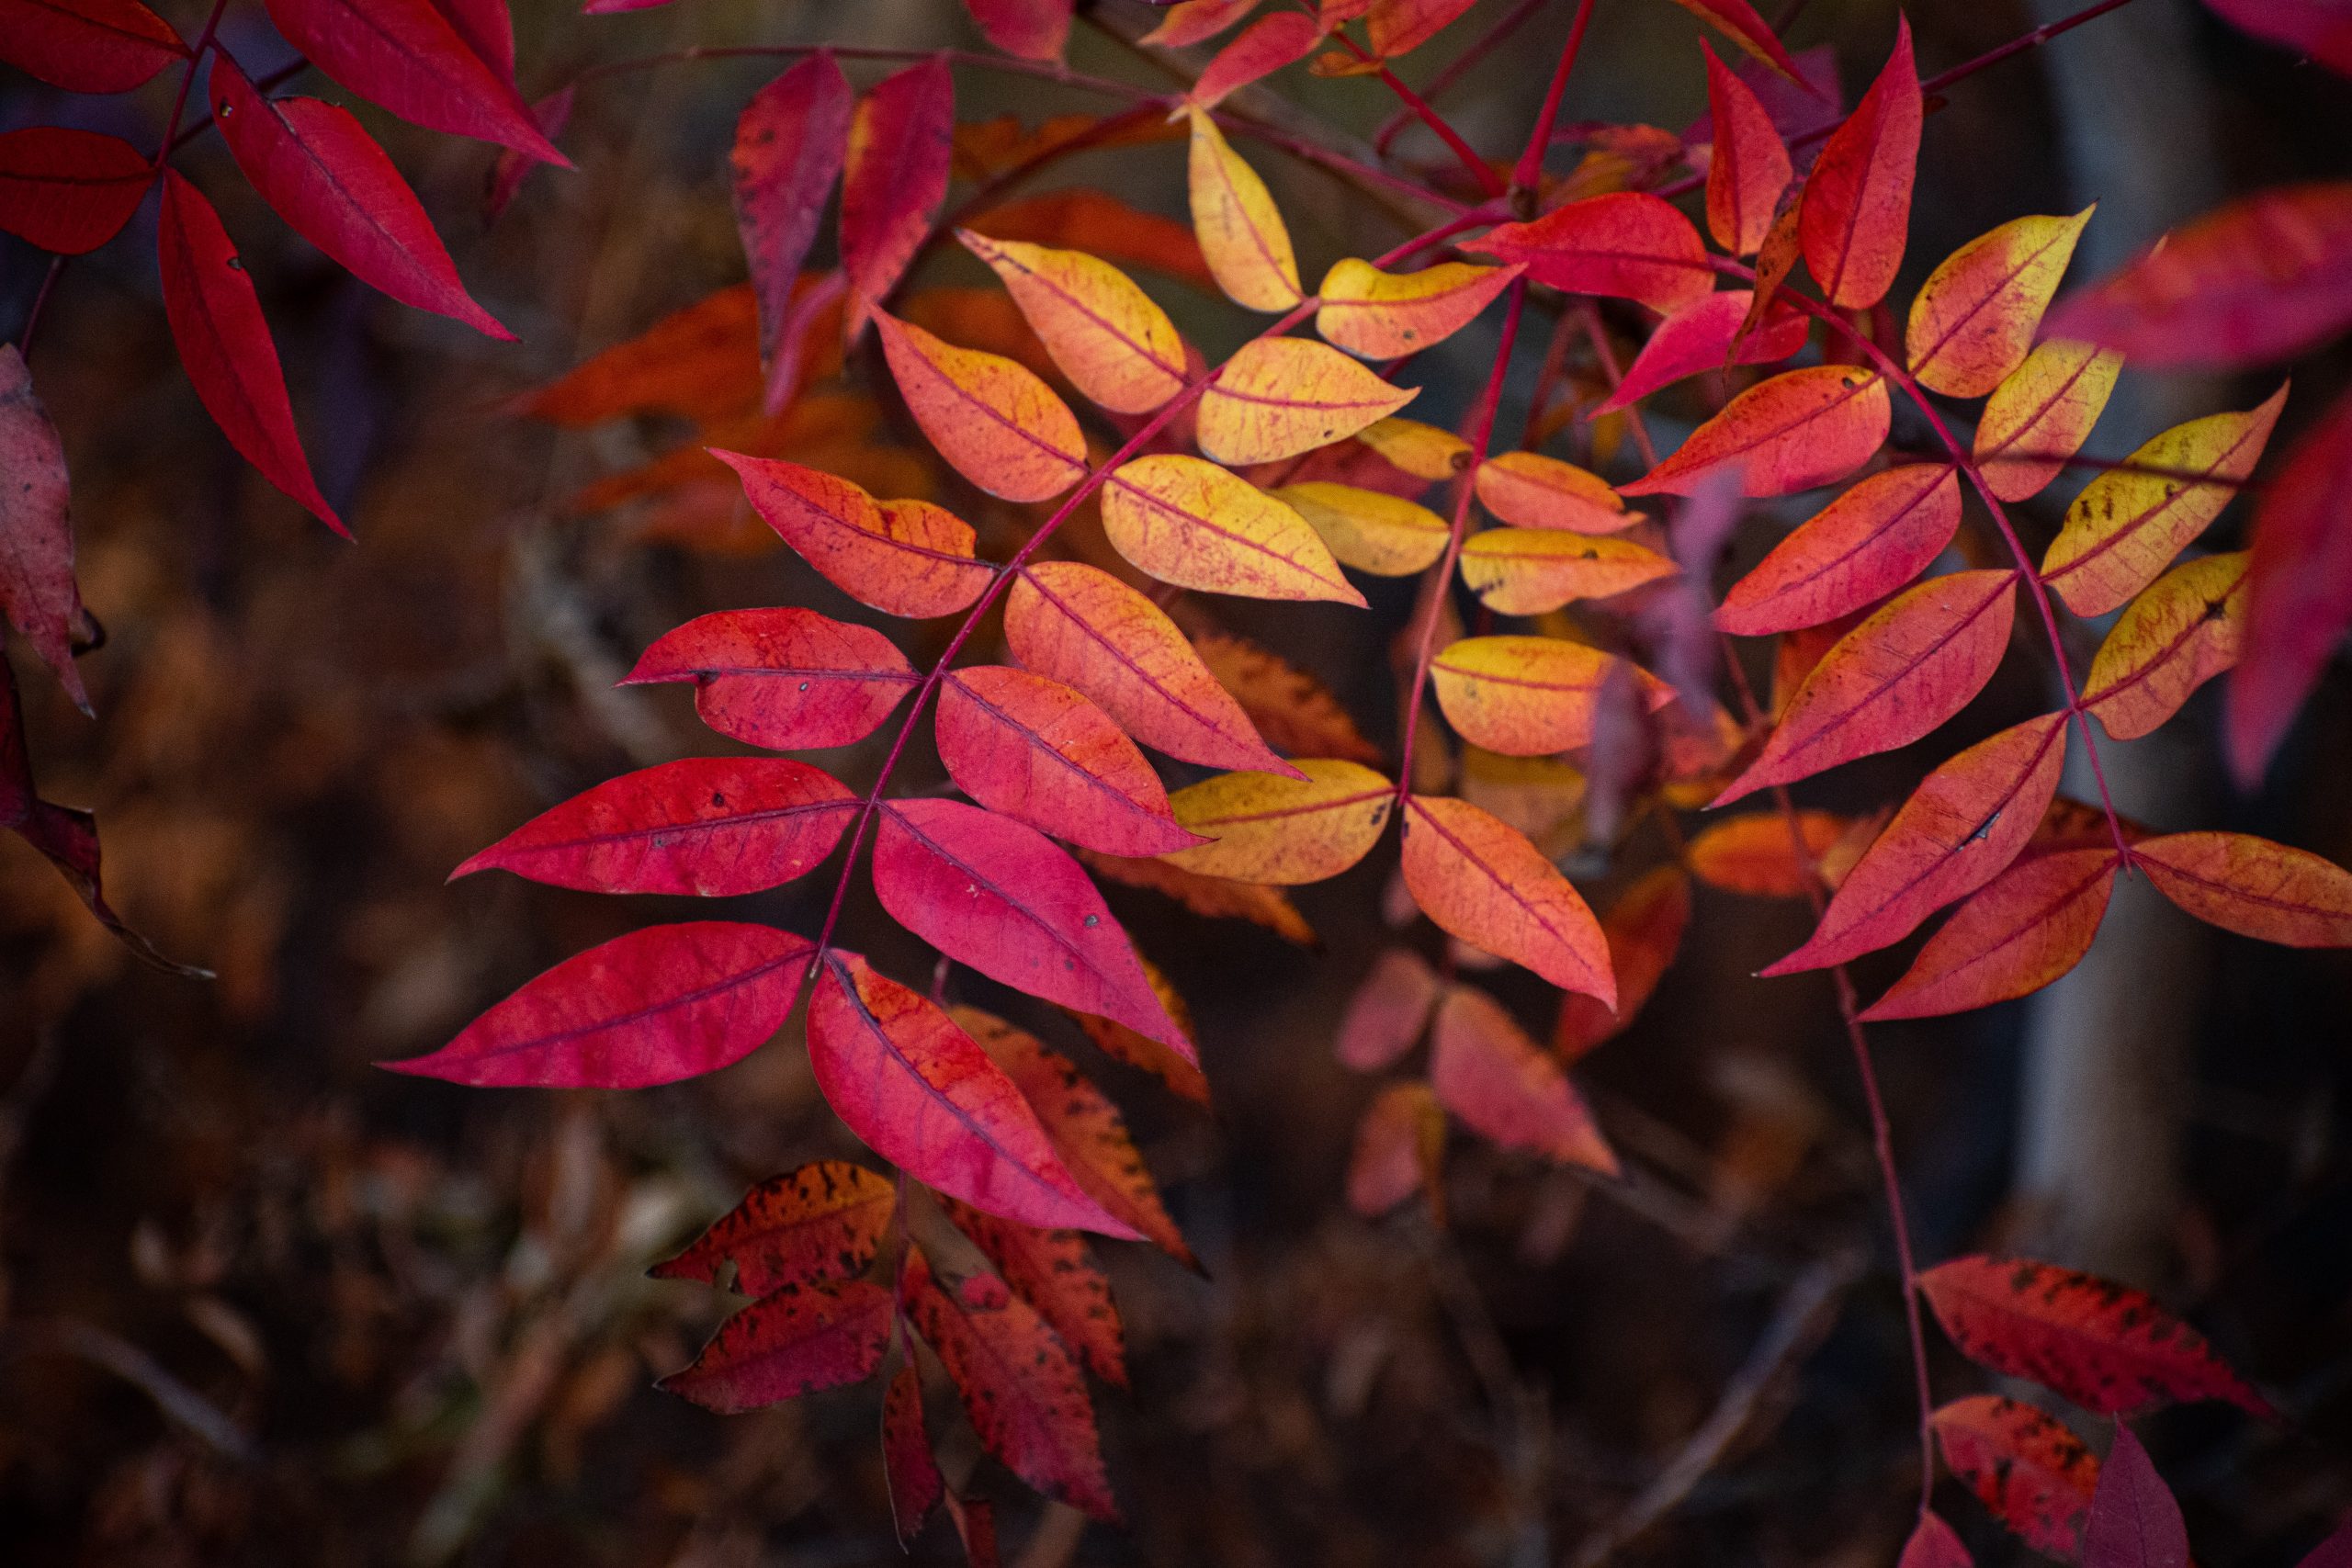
point(1643, 929)
point(894, 177)
point(1197, 525)
point(1531, 572)
point(2127, 525)
point(1480, 879)
point(1295, 712)
point(1212, 897)
point(1934, 1544)
point(701, 362)
point(707, 826)
point(1895, 678)
point(2312, 27)
point(993, 420)
point(2024, 929)
point(1388, 1011)
point(1962, 827)
point(1800, 429)
point(2034, 1474)
point(1241, 231)
point(406, 56)
point(1195, 21)
point(2108, 1348)
point(1107, 334)
point(1041, 753)
point(783, 678)
point(821, 1222)
point(2297, 603)
point(2252, 887)
point(1423, 451)
point(2040, 415)
point(1383, 535)
point(1052, 1272)
point(797, 1340)
point(1506, 1088)
point(1756, 853)
point(1742, 25)
point(1281, 397)
point(1399, 26)
point(1104, 226)
point(1869, 542)
point(908, 1467)
point(1749, 166)
point(2134, 1521)
point(38, 594)
point(1972, 321)
point(1081, 625)
point(903, 557)
point(923, 1095)
point(1400, 1149)
point(1380, 315)
point(93, 46)
point(653, 1006)
point(1706, 334)
point(68, 190)
point(1529, 490)
point(1527, 697)
point(2182, 632)
point(1263, 48)
point(1856, 213)
point(1272, 828)
point(1626, 244)
point(1033, 29)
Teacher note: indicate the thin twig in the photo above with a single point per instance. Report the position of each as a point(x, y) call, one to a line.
point(1492, 39)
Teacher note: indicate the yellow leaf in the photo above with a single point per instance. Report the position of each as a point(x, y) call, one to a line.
point(2041, 415)
point(1279, 397)
point(1380, 314)
point(995, 421)
point(1110, 339)
point(1421, 450)
point(1531, 571)
point(1242, 233)
point(1368, 529)
point(2172, 639)
point(1976, 316)
point(1534, 492)
point(1268, 828)
point(1527, 697)
point(1197, 525)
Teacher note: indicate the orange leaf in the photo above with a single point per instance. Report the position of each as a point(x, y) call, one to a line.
point(1527, 697)
point(1857, 207)
point(2181, 633)
point(1267, 827)
point(1117, 1040)
point(1645, 929)
point(1799, 429)
point(1480, 879)
point(1210, 896)
point(2126, 526)
point(823, 1221)
point(2252, 886)
point(701, 362)
point(1399, 1147)
point(1424, 451)
point(1115, 344)
point(1279, 397)
point(1892, 678)
point(1399, 26)
point(1388, 1011)
point(1862, 547)
point(1002, 427)
point(1081, 625)
point(1053, 1272)
point(1383, 535)
point(1534, 492)
point(2041, 415)
point(1974, 318)
point(1506, 1088)
point(1040, 753)
point(1266, 46)
point(2025, 929)
point(1960, 828)
point(1755, 854)
point(1101, 225)
point(905, 557)
point(1750, 166)
point(1295, 712)
point(1538, 796)
point(2034, 1474)
point(1627, 246)
point(1533, 571)
point(1381, 314)
point(1241, 231)
point(1197, 525)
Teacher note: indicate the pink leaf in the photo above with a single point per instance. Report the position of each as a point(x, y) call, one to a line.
point(2299, 591)
point(789, 145)
point(2318, 29)
point(1034, 29)
point(87, 46)
point(1856, 214)
point(1701, 336)
point(2134, 1522)
point(37, 594)
point(783, 678)
point(901, 142)
point(801, 1339)
point(908, 1466)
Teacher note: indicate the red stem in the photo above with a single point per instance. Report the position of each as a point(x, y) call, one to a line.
point(187, 80)
point(1530, 169)
point(1504, 26)
point(1418, 107)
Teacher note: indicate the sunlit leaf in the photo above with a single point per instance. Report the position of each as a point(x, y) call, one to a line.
point(1277, 398)
point(1197, 525)
point(1241, 231)
point(1527, 697)
point(1383, 535)
point(1531, 571)
point(2041, 415)
point(2182, 632)
point(1267, 827)
point(1973, 319)
point(1107, 334)
point(1799, 429)
point(1867, 544)
point(1480, 879)
point(1380, 314)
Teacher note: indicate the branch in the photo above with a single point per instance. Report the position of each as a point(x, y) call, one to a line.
point(1505, 25)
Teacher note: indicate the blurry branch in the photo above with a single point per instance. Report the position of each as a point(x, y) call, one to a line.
point(70, 1337)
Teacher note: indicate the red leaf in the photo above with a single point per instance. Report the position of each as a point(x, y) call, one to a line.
point(801, 1339)
point(551, 113)
point(1039, 752)
point(2261, 278)
point(821, 1222)
point(903, 557)
point(2335, 1551)
point(69, 191)
point(1034, 29)
point(1480, 879)
point(2252, 886)
point(38, 594)
point(2134, 1522)
point(1740, 23)
point(1081, 625)
point(2299, 592)
point(1052, 1272)
point(1002, 898)
point(331, 183)
point(923, 1095)
point(1645, 929)
point(1749, 167)
point(1506, 1088)
point(1398, 26)
point(2035, 1475)
point(655, 1006)
point(1897, 676)
point(2318, 29)
point(1627, 244)
point(2023, 930)
point(217, 324)
point(783, 678)
point(487, 28)
point(404, 55)
point(1800, 429)
point(1857, 208)
point(2108, 1348)
point(1861, 547)
point(707, 826)
point(1400, 1149)
point(1387, 1012)
point(1701, 336)
point(908, 1466)
point(87, 46)
point(1266, 46)
point(1934, 1544)
point(789, 145)
point(901, 144)
point(1962, 827)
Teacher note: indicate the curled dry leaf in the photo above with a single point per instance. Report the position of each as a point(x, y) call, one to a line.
point(903, 557)
point(2040, 415)
point(1273, 828)
point(653, 1006)
point(797, 1340)
point(1868, 543)
point(2035, 1475)
point(1107, 334)
point(784, 677)
point(1242, 233)
point(1388, 1011)
point(992, 419)
point(2108, 1348)
point(1973, 319)
point(1480, 879)
point(68, 190)
point(1383, 535)
point(2023, 930)
point(1627, 246)
point(1645, 929)
point(1400, 1149)
point(1505, 1088)
point(1381, 315)
point(1531, 572)
point(2129, 522)
point(1529, 696)
point(1197, 525)
point(1530, 491)
point(821, 1222)
point(1856, 213)
point(1041, 753)
point(2182, 632)
point(1282, 396)
point(1756, 853)
point(1800, 429)
point(2252, 887)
